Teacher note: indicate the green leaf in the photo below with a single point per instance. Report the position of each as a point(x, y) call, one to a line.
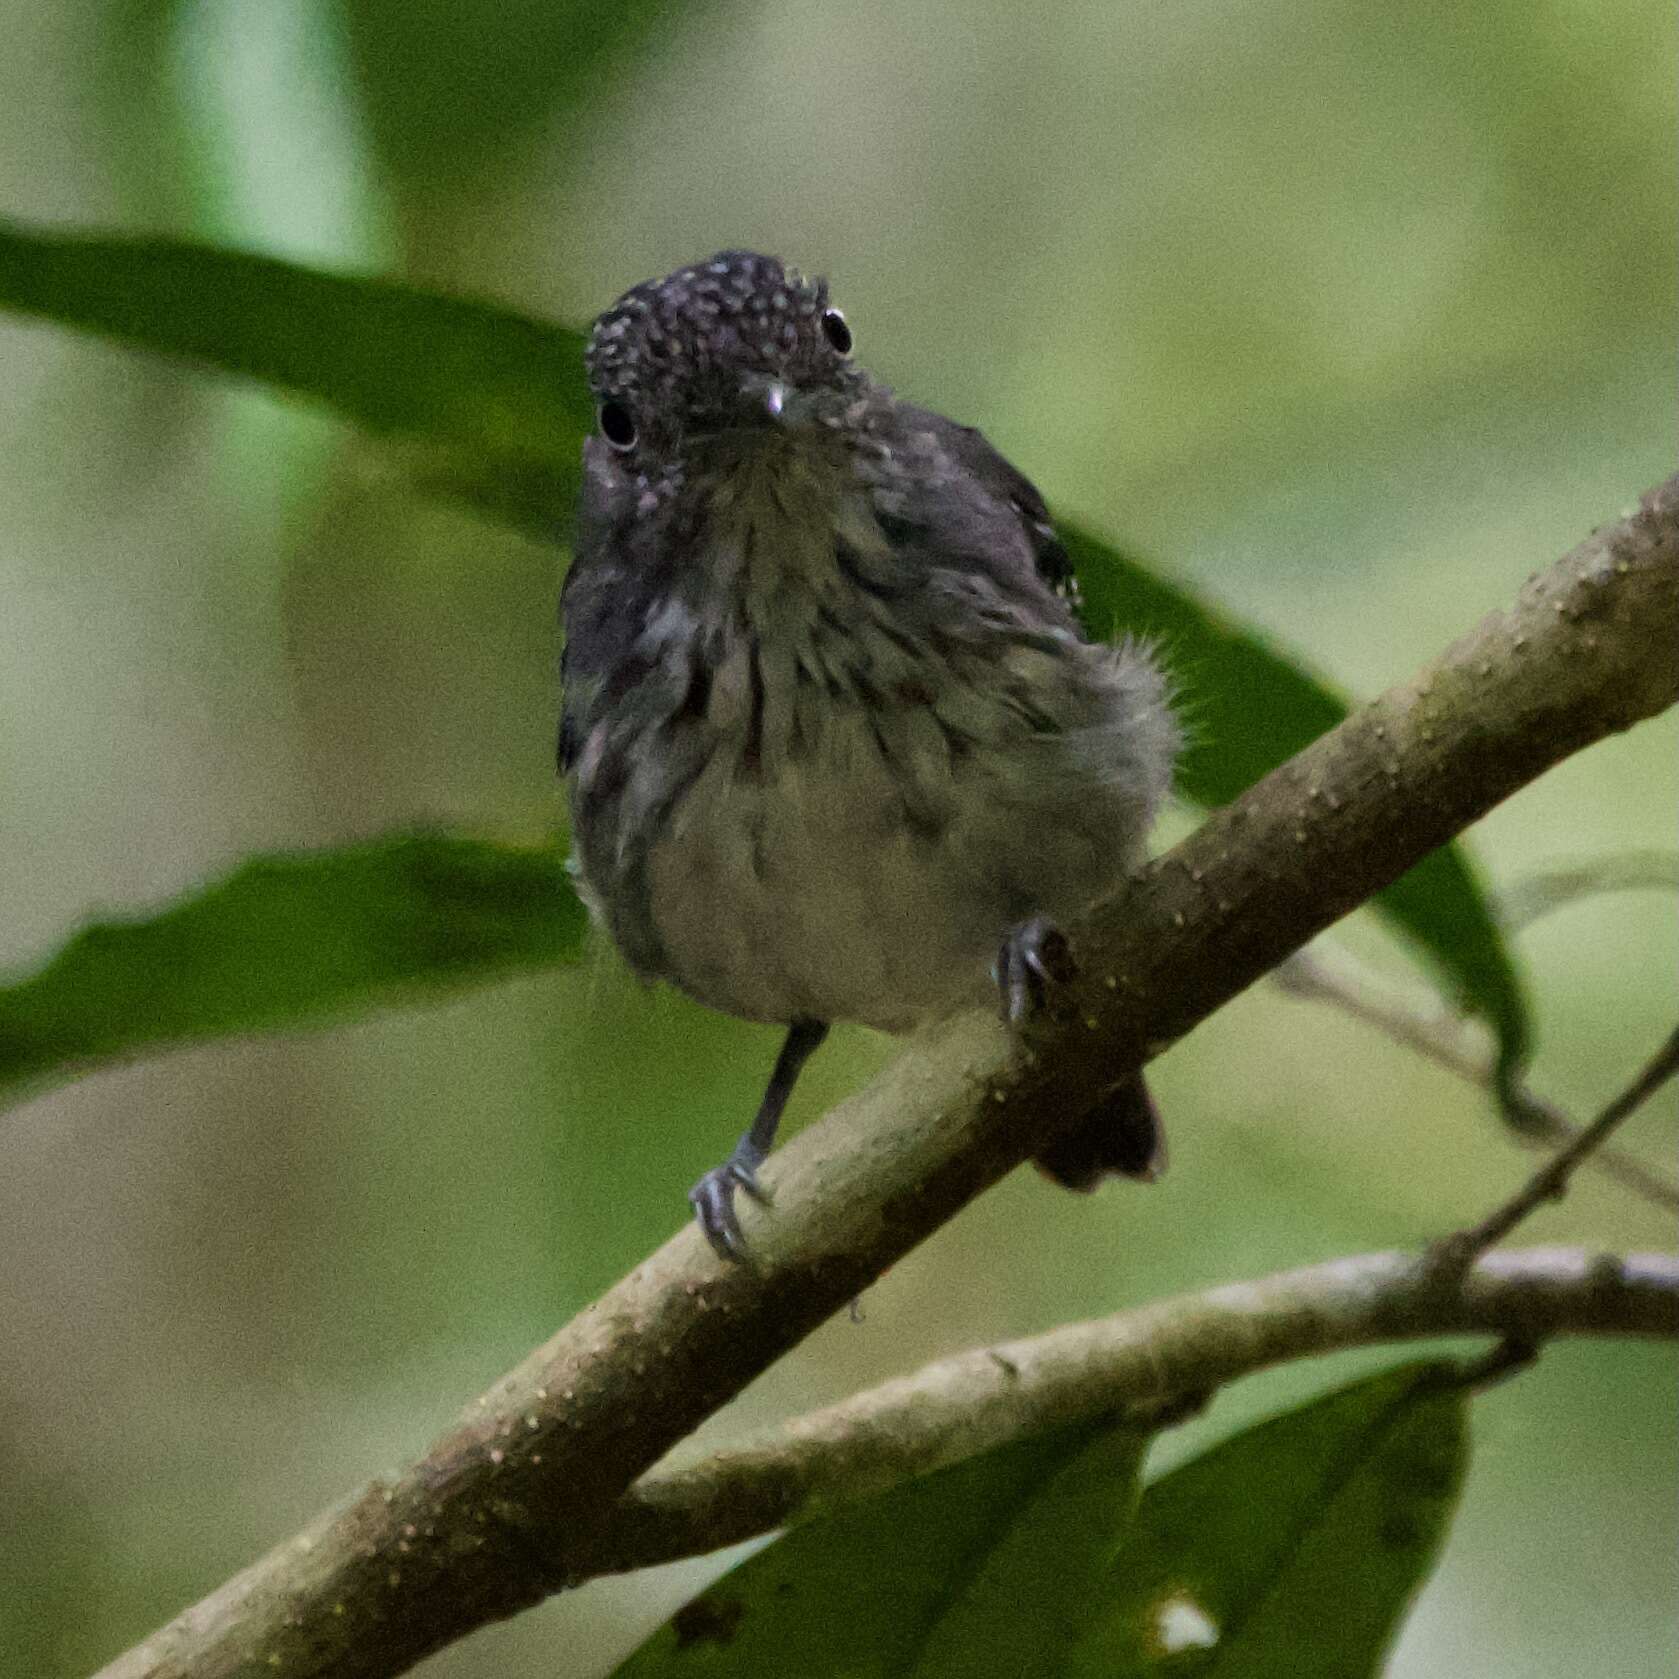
point(991, 1566)
point(492, 405)
point(493, 408)
point(286, 941)
point(1253, 707)
point(1293, 1550)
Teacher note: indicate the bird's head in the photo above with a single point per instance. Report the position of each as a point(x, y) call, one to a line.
point(726, 348)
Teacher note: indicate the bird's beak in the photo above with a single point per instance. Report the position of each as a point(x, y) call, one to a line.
point(764, 397)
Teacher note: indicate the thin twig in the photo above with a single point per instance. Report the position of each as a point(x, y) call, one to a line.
point(1549, 1182)
point(1555, 887)
point(1510, 1357)
point(1139, 1361)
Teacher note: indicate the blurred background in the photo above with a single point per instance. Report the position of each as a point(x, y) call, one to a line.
point(1349, 314)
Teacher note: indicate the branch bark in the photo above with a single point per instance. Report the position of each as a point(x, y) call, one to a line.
point(512, 1503)
point(1142, 1359)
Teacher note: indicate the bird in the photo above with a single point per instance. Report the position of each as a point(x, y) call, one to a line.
point(836, 744)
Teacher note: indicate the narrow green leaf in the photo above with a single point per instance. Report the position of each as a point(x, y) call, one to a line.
point(987, 1567)
point(1293, 1550)
point(1253, 707)
point(1041, 1588)
point(493, 406)
point(287, 941)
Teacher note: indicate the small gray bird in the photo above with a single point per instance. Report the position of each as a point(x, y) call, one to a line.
point(836, 746)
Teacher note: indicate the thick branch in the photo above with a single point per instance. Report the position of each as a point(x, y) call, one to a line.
point(1143, 1358)
point(509, 1506)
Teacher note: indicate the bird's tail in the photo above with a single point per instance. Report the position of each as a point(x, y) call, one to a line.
point(1121, 1134)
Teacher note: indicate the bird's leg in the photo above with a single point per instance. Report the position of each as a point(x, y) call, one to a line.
point(1033, 957)
point(713, 1197)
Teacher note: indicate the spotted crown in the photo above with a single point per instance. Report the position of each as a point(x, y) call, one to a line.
point(683, 343)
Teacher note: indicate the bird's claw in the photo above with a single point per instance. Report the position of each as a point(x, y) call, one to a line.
point(1033, 958)
point(713, 1201)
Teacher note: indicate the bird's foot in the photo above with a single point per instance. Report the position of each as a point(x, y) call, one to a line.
point(1034, 957)
point(713, 1199)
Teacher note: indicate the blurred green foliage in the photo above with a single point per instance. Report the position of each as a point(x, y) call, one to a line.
point(493, 408)
point(447, 90)
point(491, 405)
point(995, 1565)
point(1293, 1550)
point(1352, 315)
point(1252, 707)
point(283, 941)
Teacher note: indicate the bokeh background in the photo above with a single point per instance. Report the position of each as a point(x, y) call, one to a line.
point(1351, 314)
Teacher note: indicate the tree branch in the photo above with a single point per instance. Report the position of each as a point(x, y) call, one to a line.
point(1142, 1359)
point(508, 1506)
point(1546, 890)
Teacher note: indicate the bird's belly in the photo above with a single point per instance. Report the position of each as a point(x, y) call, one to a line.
point(869, 882)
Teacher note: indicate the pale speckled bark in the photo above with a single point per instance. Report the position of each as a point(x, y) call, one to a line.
point(515, 1501)
point(1136, 1359)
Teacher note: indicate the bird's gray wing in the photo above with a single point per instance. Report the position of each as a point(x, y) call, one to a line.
point(600, 605)
point(1122, 1132)
point(969, 448)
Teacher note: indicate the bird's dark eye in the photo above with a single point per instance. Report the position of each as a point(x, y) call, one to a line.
point(617, 424)
point(836, 331)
